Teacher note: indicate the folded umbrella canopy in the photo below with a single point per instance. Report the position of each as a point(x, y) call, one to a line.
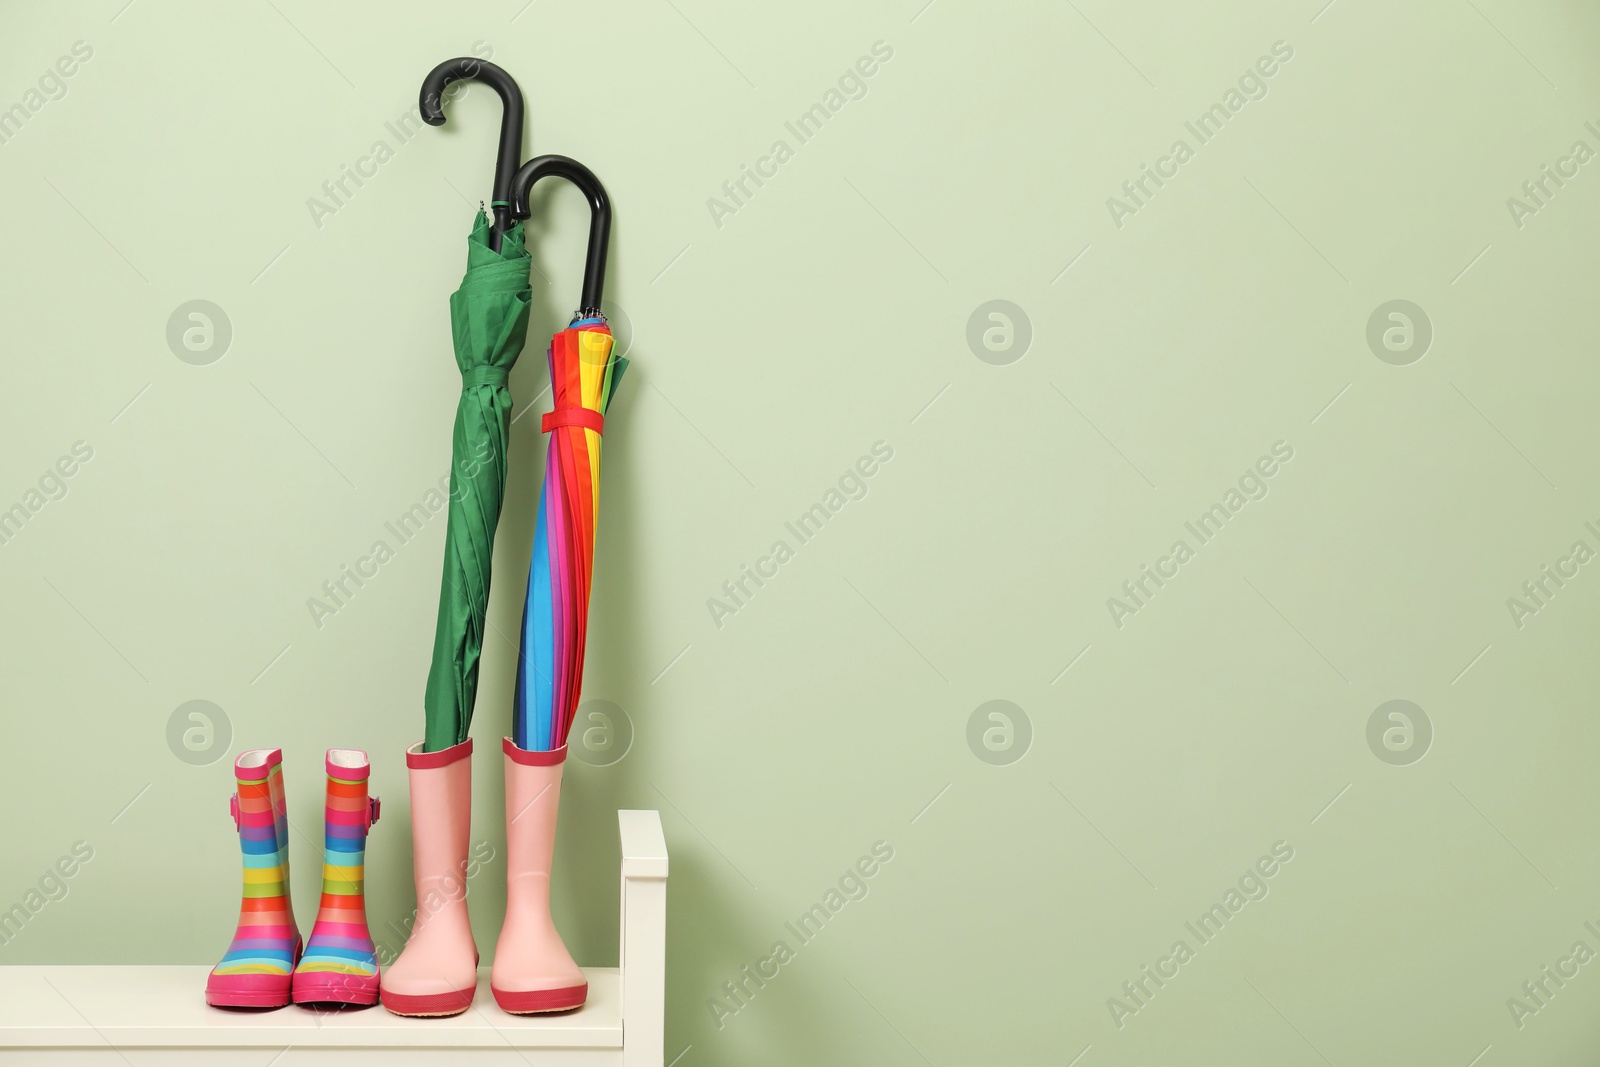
point(584, 375)
point(489, 324)
point(489, 321)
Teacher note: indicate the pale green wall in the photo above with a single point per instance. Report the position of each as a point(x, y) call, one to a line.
point(771, 352)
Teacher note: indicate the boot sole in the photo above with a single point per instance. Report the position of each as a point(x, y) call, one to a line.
point(428, 1005)
point(250, 990)
point(242, 999)
point(336, 989)
point(539, 1001)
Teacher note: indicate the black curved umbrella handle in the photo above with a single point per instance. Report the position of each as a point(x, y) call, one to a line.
point(431, 101)
point(594, 268)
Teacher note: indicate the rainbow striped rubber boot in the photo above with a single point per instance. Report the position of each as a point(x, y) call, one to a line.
point(255, 971)
point(339, 965)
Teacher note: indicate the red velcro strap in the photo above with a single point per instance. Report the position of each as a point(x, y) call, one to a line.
point(575, 416)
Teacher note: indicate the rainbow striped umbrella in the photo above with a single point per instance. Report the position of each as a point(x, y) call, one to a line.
point(555, 617)
point(584, 375)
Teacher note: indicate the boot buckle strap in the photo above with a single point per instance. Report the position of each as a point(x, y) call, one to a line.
point(374, 806)
point(233, 809)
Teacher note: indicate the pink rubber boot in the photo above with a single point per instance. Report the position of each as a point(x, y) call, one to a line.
point(437, 974)
point(533, 971)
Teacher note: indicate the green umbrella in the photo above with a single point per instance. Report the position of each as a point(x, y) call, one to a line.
point(489, 321)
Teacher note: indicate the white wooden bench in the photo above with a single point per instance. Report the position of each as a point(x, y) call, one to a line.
point(104, 1016)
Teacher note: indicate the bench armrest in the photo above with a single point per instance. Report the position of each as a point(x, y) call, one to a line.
point(642, 954)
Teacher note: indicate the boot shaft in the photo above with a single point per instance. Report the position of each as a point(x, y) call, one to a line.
point(260, 813)
point(348, 813)
point(533, 804)
point(441, 816)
